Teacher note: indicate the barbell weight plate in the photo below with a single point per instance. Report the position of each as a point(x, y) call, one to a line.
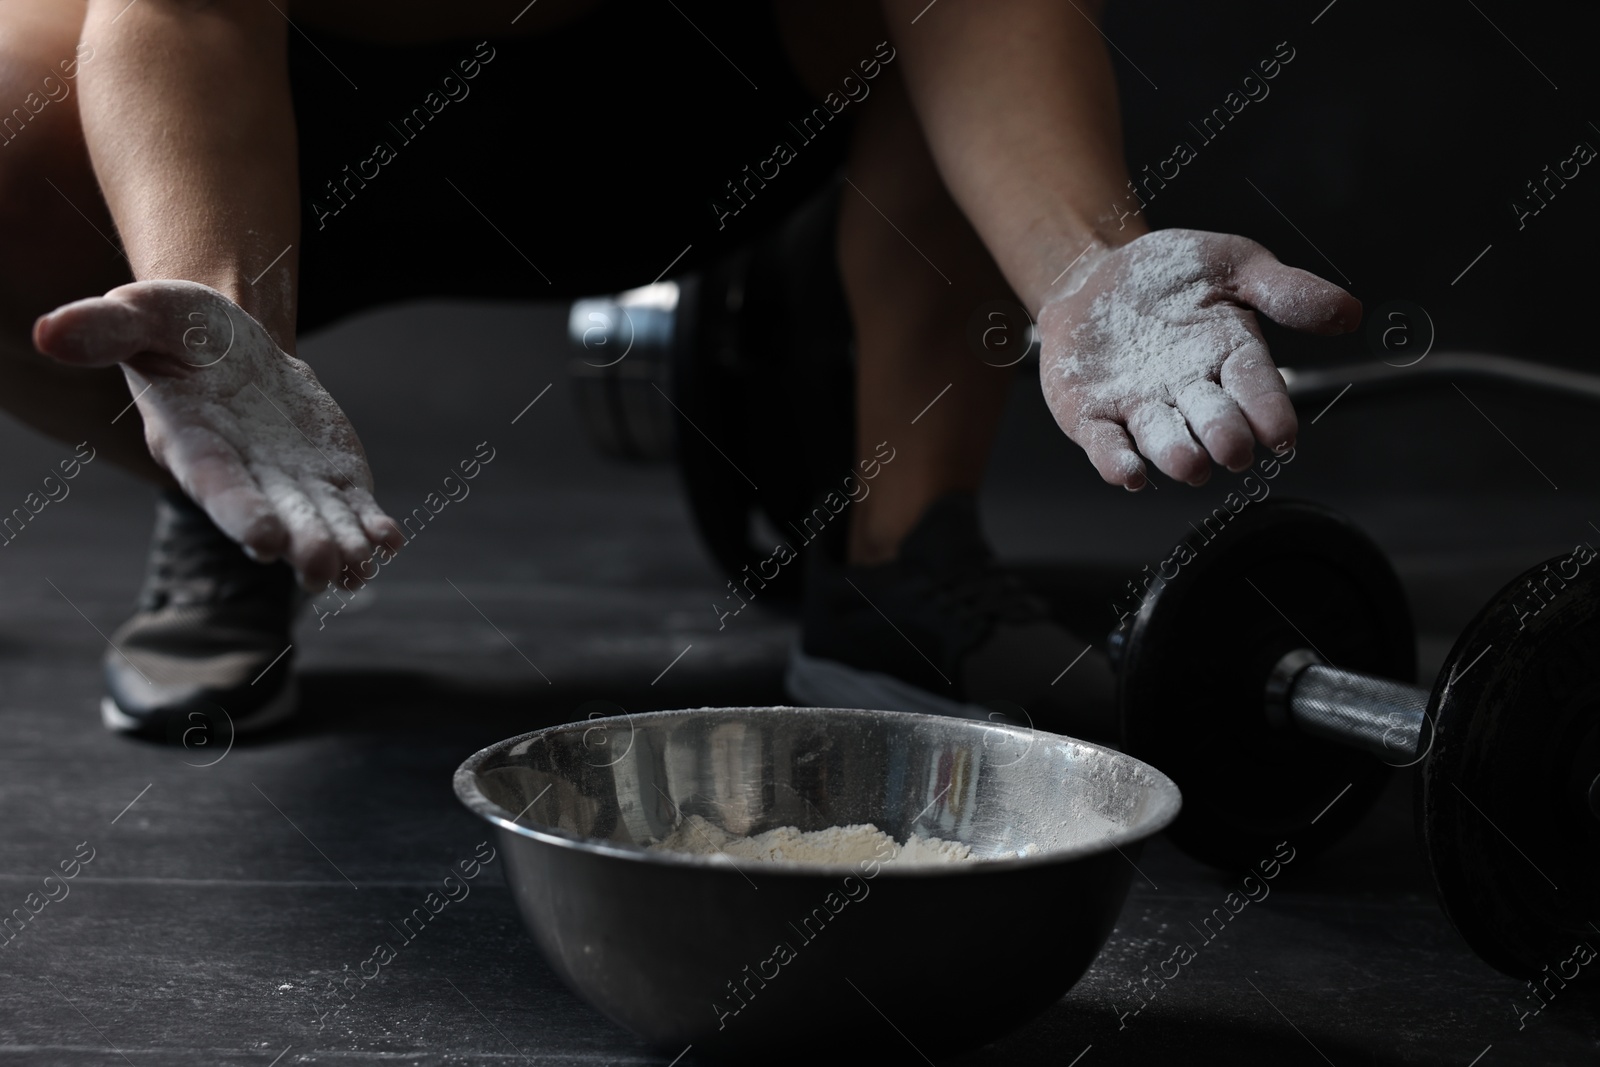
point(1194, 662)
point(620, 368)
point(713, 400)
point(1503, 804)
point(797, 355)
point(763, 370)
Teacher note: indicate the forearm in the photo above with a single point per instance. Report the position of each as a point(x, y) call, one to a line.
point(1018, 103)
point(188, 120)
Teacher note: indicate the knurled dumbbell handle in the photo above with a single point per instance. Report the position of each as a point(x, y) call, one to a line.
point(1357, 710)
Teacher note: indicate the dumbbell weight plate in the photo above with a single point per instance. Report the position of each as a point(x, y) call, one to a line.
point(1195, 660)
point(1502, 801)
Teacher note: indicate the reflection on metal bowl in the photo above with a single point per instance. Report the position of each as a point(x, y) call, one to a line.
point(783, 961)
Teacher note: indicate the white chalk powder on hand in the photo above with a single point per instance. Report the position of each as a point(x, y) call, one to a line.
point(839, 845)
point(1154, 332)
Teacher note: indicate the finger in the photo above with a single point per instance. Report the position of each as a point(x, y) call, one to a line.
point(96, 332)
point(1250, 377)
point(184, 319)
point(212, 473)
point(312, 550)
point(1292, 297)
point(1164, 438)
point(1110, 450)
point(354, 546)
point(375, 521)
point(1216, 422)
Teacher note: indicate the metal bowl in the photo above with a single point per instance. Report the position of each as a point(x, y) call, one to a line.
point(787, 961)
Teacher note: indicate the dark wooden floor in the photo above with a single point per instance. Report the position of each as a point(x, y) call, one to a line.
point(222, 898)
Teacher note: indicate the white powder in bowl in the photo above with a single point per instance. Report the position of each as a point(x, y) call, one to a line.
point(839, 845)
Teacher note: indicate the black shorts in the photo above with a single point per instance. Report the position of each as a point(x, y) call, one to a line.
point(581, 161)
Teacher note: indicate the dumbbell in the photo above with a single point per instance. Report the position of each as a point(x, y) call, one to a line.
point(742, 372)
point(1269, 677)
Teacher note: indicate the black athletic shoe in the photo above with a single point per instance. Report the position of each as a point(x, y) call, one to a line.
point(209, 635)
point(943, 629)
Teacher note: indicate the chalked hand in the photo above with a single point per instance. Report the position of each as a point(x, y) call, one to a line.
point(1152, 348)
point(245, 428)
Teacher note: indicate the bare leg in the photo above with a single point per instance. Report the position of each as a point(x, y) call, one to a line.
point(50, 209)
point(914, 274)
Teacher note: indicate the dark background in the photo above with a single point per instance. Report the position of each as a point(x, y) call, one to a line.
point(1396, 141)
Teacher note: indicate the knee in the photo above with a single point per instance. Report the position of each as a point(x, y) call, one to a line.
point(47, 186)
point(40, 59)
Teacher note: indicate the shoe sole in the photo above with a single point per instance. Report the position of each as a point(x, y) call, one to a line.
point(824, 683)
point(276, 710)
